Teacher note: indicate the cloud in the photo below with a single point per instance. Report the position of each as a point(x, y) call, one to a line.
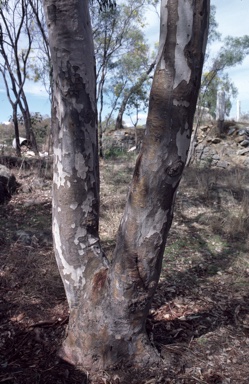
point(35, 89)
point(152, 22)
point(141, 119)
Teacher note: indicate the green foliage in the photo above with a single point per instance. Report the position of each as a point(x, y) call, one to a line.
point(211, 83)
point(129, 82)
point(232, 52)
point(113, 152)
point(108, 124)
point(121, 52)
point(213, 33)
point(39, 126)
point(40, 129)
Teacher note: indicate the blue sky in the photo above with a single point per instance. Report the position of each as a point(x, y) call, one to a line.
point(232, 17)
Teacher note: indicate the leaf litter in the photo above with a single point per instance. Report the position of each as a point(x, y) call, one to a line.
point(199, 319)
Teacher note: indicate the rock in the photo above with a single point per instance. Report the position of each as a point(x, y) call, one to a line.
point(24, 237)
point(8, 184)
point(33, 237)
point(209, 151)
point(199, 148)
point(30, 153)
point(222, 164)
point(243, 131)
point(204, 128)
point(216, 157)
point(26, 188)
point(246, 162)
point(241, 138)
point(227, 151)
point(38, 183)
point(216, 140)
point(231, 130)
point(242, 152)
point(245, 143)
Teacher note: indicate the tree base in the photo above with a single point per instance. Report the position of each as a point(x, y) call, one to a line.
point(136, 354)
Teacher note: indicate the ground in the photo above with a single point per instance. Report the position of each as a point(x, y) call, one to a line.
point(199, 320)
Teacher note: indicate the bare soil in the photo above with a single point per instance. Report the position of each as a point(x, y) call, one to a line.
point(199, 320)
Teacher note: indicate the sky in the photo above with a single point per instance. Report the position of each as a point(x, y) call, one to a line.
point(232, 18)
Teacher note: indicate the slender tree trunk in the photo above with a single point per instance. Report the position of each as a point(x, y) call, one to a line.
point(220, 112)
point(128, 94)
point(16, 129)
point(119, 119)
point(30, 136)
point(100, 126)
point(109, 303)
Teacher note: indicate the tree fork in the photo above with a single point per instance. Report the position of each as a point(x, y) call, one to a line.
point(109, 303)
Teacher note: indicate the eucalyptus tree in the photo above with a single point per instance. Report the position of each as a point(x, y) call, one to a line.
point(232, 52)
point(135, 86)
point(109, 300)
point(40, 60)
point(116, 33)
point(16, 27)
point(129, 82)
point(14, 104)
point(210, 88)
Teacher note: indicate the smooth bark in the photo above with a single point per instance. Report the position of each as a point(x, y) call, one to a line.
point(109, 303)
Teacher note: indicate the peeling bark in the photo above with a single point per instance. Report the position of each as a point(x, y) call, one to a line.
point(109, 303)
point(76, 173)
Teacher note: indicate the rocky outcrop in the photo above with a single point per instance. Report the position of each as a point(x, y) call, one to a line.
point(221, 152)
point(124, 138)
point(8, 184)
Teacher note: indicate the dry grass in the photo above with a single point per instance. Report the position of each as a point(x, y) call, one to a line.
point(115, 178)
point(200, 313)
point(223, 195)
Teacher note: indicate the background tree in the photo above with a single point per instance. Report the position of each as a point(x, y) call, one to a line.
point(209, 93)
point(16, 25)
point(14, 105)
point(111, 300)
point(130, 80)
point(231, 53)
point(117, 32)
point(40, 60)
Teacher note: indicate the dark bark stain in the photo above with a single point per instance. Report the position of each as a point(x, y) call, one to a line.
point(175, 169)
point(51, 12)
point(99, 280)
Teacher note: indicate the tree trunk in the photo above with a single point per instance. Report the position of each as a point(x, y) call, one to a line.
point(16, 129)
point(220, 112)
point(30, 136)
point(109, 303)
point(128, 94)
